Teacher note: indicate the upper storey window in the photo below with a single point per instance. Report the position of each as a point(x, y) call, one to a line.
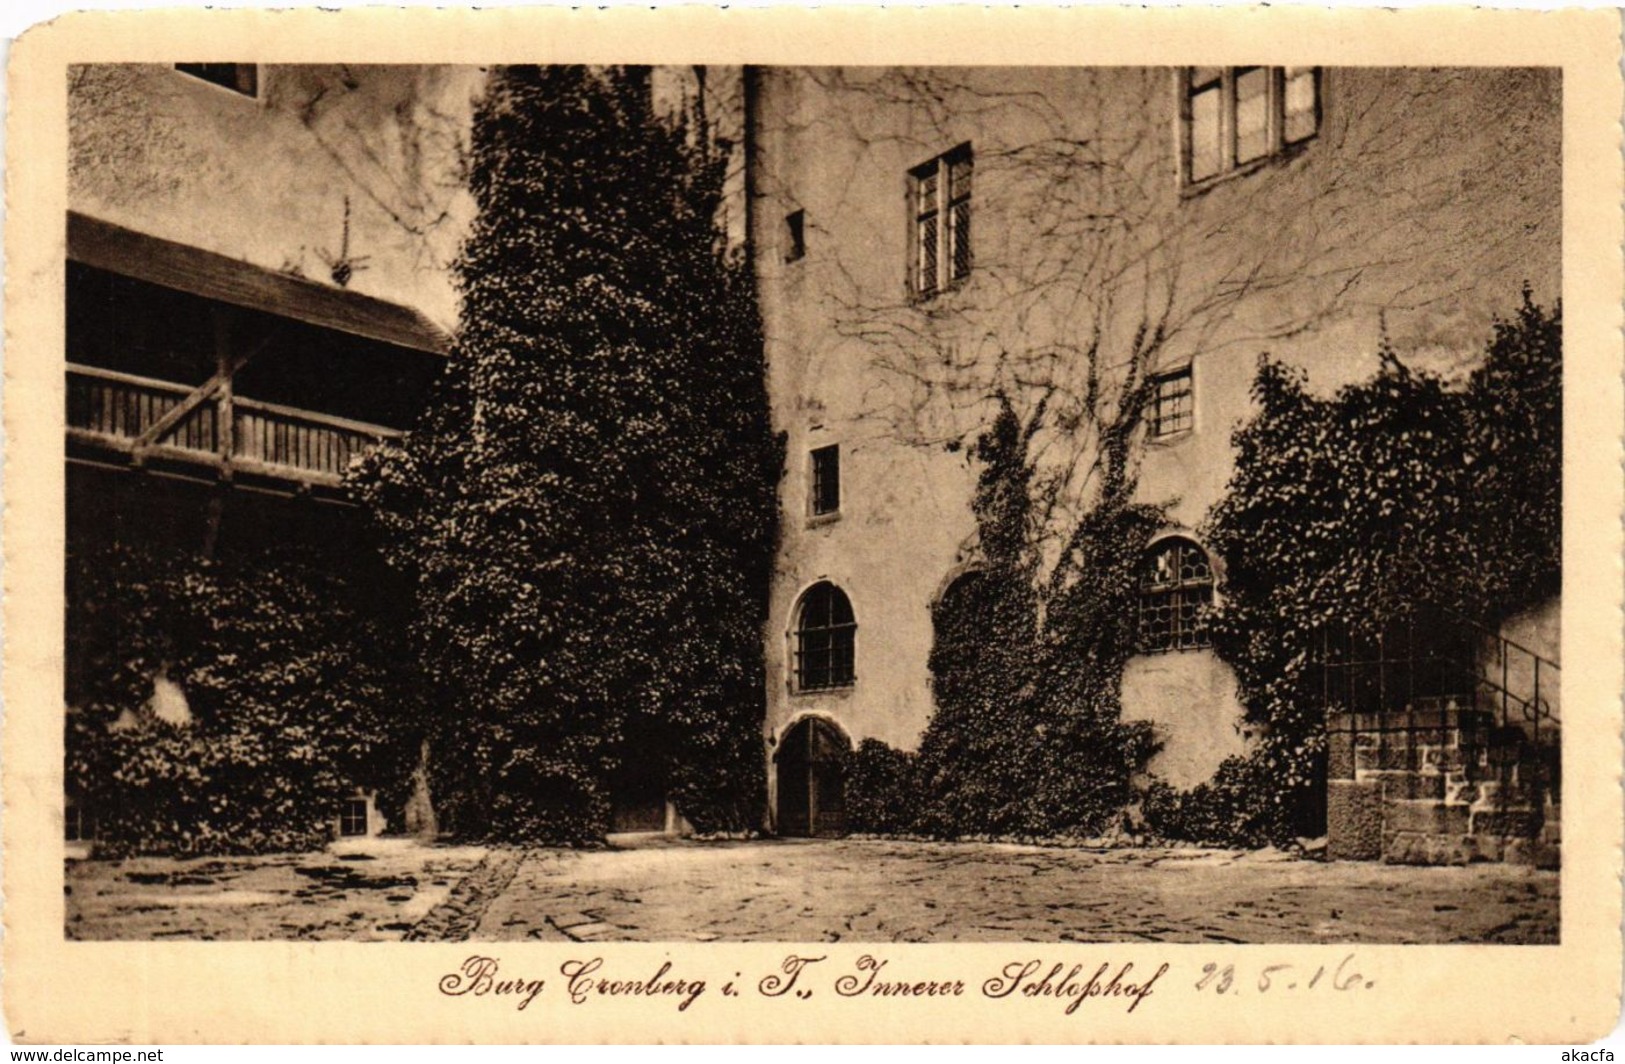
point(939, 197)
point(1172, 410)
point(1232, 117)
point(795, 236)
point(238, 77)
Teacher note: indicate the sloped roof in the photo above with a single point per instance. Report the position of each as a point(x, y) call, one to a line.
point(116, 249)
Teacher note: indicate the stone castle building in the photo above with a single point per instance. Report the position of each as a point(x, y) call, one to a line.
point(924, 240)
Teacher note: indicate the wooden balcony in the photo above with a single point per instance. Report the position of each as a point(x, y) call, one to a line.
point(210, 432)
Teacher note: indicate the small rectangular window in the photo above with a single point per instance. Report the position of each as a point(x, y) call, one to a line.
point(940, 202)
point(826, 480)
point(795, 236)
point(78, 825)
point(238, 77)
point(353, 817)
point(1172, 407)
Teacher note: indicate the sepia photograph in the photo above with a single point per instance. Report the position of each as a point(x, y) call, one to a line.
point(813, 503)
point(533, 532)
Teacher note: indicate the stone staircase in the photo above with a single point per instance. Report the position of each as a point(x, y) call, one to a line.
point(1442, 786)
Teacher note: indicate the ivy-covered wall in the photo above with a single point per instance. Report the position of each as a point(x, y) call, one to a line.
point(1308, 258)
point(1398, 495)
point(230, 703)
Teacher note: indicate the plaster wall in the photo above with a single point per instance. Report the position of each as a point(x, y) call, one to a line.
point(265, 179)
point(1537, 632)
point(1190, 698)
point(1082, 233)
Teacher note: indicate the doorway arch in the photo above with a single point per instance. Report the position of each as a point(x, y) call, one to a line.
point(811, 760)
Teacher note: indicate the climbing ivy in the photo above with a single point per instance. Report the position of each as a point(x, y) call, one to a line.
point(1397, 492)
point(587, 511)
point(1027, 738)
point(880, 794)
point(295, 694)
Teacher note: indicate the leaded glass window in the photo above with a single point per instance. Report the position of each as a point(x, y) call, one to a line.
point(940, 200)
point(1176, 586)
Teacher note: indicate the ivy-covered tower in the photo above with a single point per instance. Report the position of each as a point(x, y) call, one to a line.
point(587, 508)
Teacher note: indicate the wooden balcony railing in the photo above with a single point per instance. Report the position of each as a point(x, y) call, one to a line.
point(119, 412)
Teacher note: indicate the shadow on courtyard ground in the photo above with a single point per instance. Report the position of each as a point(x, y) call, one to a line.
point(806, 891)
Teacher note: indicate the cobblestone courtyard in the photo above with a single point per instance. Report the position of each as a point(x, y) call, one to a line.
point(780, 890)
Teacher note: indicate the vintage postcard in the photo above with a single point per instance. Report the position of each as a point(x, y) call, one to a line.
point(917, 526)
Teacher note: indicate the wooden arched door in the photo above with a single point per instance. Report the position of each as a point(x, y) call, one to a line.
point(811, 770)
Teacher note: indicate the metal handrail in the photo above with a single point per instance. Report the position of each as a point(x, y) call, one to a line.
point(1531, 707)
point(1491, 633)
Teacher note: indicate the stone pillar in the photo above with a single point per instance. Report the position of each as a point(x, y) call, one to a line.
point(1353, 806)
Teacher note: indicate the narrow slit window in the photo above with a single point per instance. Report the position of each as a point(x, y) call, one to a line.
point(795, 236)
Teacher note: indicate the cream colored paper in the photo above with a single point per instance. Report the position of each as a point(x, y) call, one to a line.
point(62, 991)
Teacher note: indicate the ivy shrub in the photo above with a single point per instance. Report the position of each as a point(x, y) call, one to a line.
point(587, 511)
point(1028, 739)
point(1396, 493)
point(295, 686)
point(1235, 808)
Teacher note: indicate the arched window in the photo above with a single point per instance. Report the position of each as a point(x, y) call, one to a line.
point(1176, 582)
point(825, 629)
point(961, 619)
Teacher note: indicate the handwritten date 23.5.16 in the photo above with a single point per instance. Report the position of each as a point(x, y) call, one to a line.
point(1279, 978)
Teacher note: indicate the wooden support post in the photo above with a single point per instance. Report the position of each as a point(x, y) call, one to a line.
point(214, 513)
point(224, 368)
point(812, 793)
